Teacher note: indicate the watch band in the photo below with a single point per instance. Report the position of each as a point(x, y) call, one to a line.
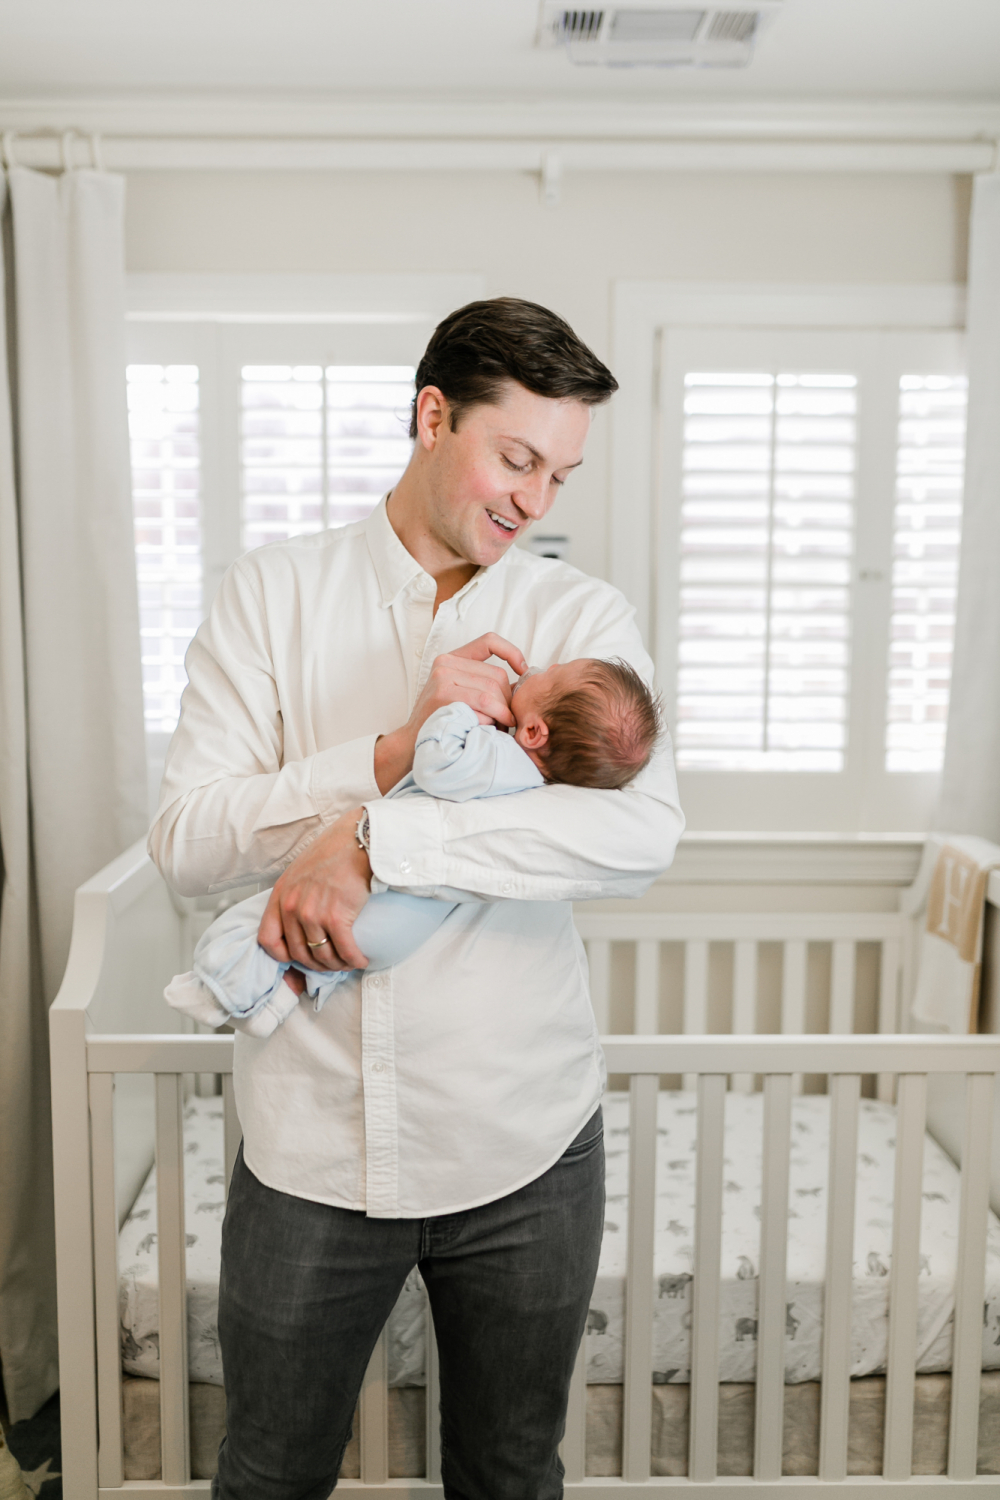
point(362, 833)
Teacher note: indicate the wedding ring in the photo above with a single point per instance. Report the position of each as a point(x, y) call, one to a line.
point(320, 944)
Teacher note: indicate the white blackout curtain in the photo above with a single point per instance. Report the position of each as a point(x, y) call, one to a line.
point(72, 763)
point(970, 791)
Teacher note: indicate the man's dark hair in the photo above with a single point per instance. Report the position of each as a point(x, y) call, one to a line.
point(602, 733)
point(475, 350)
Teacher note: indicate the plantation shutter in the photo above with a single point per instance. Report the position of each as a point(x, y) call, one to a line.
point(319, 445)
point(766, 539)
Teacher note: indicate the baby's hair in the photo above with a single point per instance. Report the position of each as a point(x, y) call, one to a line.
point(602, 733)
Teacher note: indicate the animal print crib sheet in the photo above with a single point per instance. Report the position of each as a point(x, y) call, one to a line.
point(204, 1206)
point(674, 1250)
point(674, 1247)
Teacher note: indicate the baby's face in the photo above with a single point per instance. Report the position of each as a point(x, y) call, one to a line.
point(536, 689)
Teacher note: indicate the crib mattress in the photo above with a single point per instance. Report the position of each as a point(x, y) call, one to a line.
point(674, 1250)
point(669, 1436)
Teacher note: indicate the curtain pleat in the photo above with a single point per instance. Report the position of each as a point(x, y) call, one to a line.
point(72, 761)
point(970, 787)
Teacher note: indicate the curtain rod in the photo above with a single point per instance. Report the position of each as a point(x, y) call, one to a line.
point(549, 159)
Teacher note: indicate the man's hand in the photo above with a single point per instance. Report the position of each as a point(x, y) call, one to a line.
point(317, 900)
point(462, 676)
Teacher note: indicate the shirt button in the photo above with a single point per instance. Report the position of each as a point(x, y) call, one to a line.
point(507, 887)
point(404, 867)
point(378, 1067)
point(376, 981)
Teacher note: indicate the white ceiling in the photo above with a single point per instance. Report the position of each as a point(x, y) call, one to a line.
point(445, 49)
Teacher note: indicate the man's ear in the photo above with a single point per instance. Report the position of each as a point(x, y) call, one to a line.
point(532, 733)
point(432, 416)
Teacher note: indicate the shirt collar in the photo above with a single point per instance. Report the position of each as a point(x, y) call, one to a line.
point(394, 566)
point(396, 569)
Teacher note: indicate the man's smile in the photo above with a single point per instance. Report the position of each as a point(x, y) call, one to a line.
point(502, 523)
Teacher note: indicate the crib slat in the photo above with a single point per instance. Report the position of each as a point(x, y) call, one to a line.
point(573, 1448)
point(793, 995)
point(231, 1130)
point(842, 988)
point(109, 1372)
point(704, 1431)
point(433, 1408)
point(793, 987)
point(970, 1277)
point(171, 1253)
point(695, 995)
point(599, 963)
point(901, 1361)
point(835, 1389)
point(647, 989)
point(888, 1007)
point(374, 1412)
point(638, 1415)
point(770, 1404)
point(744, 1002)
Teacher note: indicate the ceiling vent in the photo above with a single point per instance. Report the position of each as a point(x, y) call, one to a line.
point(658, 33)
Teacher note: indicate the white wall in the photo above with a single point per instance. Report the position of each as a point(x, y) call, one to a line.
point(715, 227)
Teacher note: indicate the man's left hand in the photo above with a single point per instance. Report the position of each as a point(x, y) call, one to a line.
point(316, 901)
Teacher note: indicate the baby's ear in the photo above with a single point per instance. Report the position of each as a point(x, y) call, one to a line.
point(532, 733)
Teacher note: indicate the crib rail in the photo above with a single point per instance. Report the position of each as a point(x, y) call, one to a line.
point(711, 1061)
point(745, 931)
point(125, 912)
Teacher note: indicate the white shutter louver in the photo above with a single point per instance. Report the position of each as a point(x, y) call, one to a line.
point(767, 535)
point(164, 440)
point(281, 452)
point(930, 461)
point(319, 446)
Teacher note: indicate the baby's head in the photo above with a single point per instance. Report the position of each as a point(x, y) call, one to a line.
point(587, 722)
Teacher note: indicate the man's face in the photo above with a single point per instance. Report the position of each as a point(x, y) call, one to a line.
point(500, 471)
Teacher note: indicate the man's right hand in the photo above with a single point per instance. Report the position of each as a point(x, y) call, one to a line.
point(462, 676)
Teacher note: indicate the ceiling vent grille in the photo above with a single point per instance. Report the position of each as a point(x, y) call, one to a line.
point(658, 33)
point(732, 26)
point(580, 25)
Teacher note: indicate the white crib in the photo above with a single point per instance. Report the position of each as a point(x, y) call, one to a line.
point(108, 1042)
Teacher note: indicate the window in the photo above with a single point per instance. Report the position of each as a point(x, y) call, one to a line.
point(766, 540)
point(316, 445)
point(259, 408)
point(164, 440)
point(928, 518)
point(808, 487)
point(319, 447)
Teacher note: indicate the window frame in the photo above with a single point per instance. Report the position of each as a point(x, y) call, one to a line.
point(655, 322)
point(219, 322)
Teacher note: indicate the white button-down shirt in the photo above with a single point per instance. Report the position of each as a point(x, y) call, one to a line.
point(464, 1072)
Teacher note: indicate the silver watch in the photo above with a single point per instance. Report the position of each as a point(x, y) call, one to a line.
point(362, 833)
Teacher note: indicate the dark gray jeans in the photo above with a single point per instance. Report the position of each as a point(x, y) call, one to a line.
point(306, 1289)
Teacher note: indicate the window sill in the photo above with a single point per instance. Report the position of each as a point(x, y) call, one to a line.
point(796, 858)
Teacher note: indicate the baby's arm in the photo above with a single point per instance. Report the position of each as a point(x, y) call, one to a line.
point(458, 758)
point(233, 979)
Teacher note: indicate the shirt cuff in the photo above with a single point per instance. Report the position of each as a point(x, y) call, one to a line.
point(406, 842)
point(344, 777)
point(410, 850)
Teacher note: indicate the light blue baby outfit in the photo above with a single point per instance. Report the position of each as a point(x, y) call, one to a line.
point(233, 979)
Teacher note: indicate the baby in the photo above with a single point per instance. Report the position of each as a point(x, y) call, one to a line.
point(587, 723)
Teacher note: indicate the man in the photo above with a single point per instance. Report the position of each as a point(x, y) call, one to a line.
point(445, 1112)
